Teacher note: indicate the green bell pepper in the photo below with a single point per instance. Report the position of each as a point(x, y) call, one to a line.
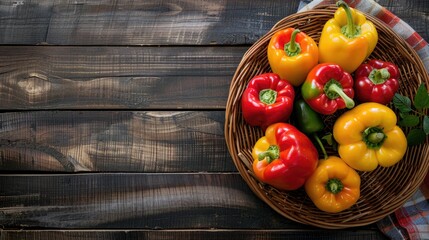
point(309, 122)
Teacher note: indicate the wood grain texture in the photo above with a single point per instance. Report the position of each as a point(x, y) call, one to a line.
point(113, 113)
point(139, 141)
point(42, 77)
point(210, 234)
point(196, 205)
point(150, 22)
point(184, 22)
point(150, 201)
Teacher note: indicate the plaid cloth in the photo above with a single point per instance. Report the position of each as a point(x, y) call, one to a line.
point(411, 221)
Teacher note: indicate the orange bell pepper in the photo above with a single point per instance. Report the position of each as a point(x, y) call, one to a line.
point(292, 54)
point(334, 186)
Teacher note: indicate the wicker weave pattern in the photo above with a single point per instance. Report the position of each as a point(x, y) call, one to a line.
point(383, 190)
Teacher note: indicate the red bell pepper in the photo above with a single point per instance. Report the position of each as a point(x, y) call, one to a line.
point(328, 88)
point(284, 158)
point(376, 81)
point(267, 100)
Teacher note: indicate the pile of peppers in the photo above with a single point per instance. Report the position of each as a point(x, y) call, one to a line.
point(334, 78)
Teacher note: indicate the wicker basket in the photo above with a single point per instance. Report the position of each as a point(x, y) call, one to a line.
point(383, 190)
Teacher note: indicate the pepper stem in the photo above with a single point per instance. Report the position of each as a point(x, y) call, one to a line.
point(292, 48)
point(373, 137)
point(334, 90)
point(268, 96)
point(379, 76)
point(350, 30)
point(272, 153)
point(319, 142)
point(334, 185)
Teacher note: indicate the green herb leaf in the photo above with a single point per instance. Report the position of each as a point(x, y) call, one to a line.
point(329, 138)
point(426, 124)
point(409, 120)
point(415, 137)
point(402, 103)
point(403, 115)
point(421, 99)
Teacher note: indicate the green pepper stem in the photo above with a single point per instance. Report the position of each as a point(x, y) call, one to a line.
point(350, 30)
point(334, 185)
point(268, 96)
point(292, 48)
point(319, 142)
point(272, 153)
point(379, 76)
point(335, 90)
point(373, 137)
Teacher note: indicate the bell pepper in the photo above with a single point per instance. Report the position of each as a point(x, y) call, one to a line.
point(266, 100)
point(309, 122)
point(334, 186)
point(347, 39)
point(292, 54)
point(376, 81)
point(284, 158)
point(368, 136)
point(328, 88)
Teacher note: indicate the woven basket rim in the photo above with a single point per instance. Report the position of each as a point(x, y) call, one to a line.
point(238, 134)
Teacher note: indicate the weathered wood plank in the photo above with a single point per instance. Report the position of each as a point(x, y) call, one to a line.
point(148, 201)
point(150, 22)
point(212, 234)
point(184, 22)
point(46, 77)
point(142, 141)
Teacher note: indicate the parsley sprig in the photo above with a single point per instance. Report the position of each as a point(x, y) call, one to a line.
point(414, 115)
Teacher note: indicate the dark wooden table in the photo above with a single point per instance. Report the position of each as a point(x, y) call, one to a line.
point(113, 113)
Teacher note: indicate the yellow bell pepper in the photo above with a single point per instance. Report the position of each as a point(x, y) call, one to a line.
point(334, 186)
point(347, 39)
point(368, 136)
point(292, 54)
